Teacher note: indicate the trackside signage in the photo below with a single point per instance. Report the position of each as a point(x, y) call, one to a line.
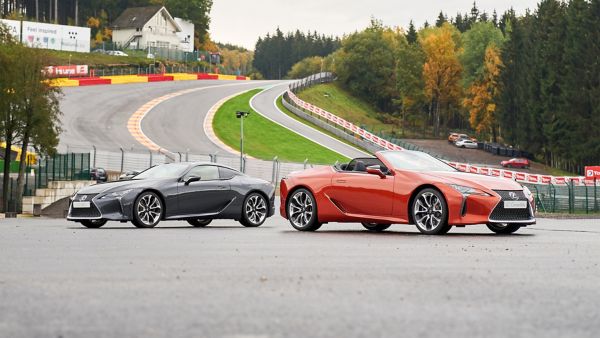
point(592, 173)
point(73, 70)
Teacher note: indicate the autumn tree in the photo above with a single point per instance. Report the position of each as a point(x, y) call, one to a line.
point(482, 94)
point(441, 72)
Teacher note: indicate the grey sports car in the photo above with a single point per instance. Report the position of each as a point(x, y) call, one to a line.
point(194, 192)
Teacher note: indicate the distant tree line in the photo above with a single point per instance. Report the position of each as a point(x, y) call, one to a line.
point(274, 55)
point(99, 14)
point(529, 81)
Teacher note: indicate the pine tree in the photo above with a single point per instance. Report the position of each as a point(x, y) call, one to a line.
point(411, 35)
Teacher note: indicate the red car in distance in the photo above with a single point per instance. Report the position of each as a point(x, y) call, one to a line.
point(403, 187)
point(516, 163)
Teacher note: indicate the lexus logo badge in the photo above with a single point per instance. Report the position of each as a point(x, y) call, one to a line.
point(84, 197)
point(513, 195)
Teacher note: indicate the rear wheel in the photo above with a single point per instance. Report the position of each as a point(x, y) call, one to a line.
point(254, 212)
point(199, 222)
point(302, 211)
point(430, 212)
point(93, 223)
point(376, 226)
point(147, 210)
point(503, 228)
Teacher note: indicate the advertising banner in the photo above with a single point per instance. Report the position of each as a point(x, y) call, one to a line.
point(62, 71)
point(57, 37)
point(592, 173)
point(14, 27)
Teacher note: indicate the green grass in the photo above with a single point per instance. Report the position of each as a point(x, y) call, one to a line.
point(338, 101)
point(265, 139)
point(314, 126)
point(61, 58)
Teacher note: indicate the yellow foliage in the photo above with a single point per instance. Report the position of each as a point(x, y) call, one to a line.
point(481, 94)
point(93, 22)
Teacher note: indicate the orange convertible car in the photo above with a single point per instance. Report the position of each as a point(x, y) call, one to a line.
point(407, 187)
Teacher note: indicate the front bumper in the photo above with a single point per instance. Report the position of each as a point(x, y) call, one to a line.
point(111, 209)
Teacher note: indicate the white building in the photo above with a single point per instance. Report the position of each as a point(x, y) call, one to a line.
point(153, 26)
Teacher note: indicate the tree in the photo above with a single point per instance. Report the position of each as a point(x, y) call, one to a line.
point(367, 68)
point(441, 20)
point(441, 72)
point(481, 97)
point(411, 35)
point(410, 83)
point(475, 43)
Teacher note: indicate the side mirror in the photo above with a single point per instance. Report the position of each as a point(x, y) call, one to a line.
point(192, 179)
point(376, 170)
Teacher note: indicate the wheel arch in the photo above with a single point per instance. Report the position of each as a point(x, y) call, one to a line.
point(414, 194)
point(296, 188)
point(160, 196)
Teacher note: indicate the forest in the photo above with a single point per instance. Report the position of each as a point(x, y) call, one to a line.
point(530, 81)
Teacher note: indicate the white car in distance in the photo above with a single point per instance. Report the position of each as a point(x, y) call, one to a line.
point(466, 144)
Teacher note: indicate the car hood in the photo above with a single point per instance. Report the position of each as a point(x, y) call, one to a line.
point(117, 186)
point(474, 180)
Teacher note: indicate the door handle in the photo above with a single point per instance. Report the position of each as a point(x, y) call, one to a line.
point(340, 181)
point(222, 187)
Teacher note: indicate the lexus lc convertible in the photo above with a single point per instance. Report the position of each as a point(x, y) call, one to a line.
point(194, 192)
point(407, 187)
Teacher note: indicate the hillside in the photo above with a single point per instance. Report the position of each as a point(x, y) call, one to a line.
point(338, 101)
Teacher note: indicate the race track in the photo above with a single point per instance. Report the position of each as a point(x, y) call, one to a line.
point(97, 116)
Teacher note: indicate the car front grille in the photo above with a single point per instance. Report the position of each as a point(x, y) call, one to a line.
point(500, 214)
point(91, 212)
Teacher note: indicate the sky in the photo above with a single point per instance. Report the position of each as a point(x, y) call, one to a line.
point(241, 22)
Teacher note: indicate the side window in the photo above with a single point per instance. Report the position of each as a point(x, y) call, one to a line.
point(226, 173)
point(205, 172)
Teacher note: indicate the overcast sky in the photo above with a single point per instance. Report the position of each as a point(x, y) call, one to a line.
point(241, 22)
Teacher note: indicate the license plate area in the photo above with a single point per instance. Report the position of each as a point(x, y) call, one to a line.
point(515, 204)
point(82, 205)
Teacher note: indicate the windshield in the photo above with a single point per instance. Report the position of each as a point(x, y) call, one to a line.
point(171, 170)
point(415, 160)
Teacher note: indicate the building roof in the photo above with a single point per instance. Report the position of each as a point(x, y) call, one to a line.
point(137, 17)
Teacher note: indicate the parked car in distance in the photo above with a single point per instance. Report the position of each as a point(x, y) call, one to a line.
point(128, 175)
point(516, 163)
point(452, 137)
point(465, 137)
point(98, 175)
point(466, 144)
point(116, 53)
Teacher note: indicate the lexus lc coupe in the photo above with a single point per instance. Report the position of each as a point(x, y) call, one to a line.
point(406, 187)
point(194, 192)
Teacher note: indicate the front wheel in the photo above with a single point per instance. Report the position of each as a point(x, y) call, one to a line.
point(148, 210)
point(254, 212)
point(93, 223)
point(302, 211)
point(199, 222)
point(376, 227)
point(430, 212)
point(503, 228)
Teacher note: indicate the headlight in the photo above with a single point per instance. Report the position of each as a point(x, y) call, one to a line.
point(468, 191)
point(527, 192)
point(116, 194)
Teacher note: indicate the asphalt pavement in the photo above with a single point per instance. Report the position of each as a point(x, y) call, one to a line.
point(58, 279)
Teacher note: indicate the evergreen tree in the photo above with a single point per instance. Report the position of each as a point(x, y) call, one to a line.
point(411, 35)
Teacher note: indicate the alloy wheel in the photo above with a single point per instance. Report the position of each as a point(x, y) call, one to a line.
point(149, 209)
point(256, 209)
point(428, 211)
point(301, 209)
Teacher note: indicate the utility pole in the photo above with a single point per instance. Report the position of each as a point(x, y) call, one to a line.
point(241, 115)
point(56, 12)
point(37, 10)
point(76, 12)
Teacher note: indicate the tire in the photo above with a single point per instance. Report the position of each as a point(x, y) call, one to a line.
point(376, 227)
point(148, 210)
point(93, 223)
point(254, 210)
point(503, 228)
point(199, 222)
point(302, 211)
point(429, 212)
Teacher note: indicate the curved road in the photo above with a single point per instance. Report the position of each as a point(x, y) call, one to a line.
point(98, 115)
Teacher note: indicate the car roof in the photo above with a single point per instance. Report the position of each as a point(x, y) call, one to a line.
point(193, 164)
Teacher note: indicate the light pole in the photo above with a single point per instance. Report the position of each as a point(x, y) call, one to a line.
point(241, 115)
